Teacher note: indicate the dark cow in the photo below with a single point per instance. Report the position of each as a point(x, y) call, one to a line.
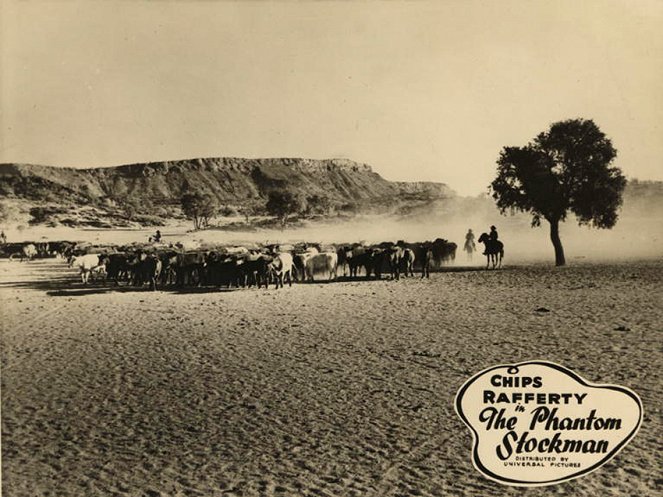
point(26, 250)
point(190, 268)
point(223, 269)
point(8, 249)
point(347, 256)
point(60, 248)
point(361, 257)
point(443, 251)
point(43, 249)
point(168, 260)
point(117, 267)
point(343, 255)
point(255, 270)
point(146, 269)
point(387, 258)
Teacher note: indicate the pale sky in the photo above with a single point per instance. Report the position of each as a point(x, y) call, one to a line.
point(418, 90)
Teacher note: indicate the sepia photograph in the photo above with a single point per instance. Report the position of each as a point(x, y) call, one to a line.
point(331, 248)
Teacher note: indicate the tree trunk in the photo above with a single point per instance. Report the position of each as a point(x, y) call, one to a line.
point(557, 243)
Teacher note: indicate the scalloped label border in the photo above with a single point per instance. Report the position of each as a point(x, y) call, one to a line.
point(476, 461)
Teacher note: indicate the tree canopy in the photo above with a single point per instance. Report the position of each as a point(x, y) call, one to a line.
point(199, 207)
point(282, 204)
point(318, 204)
point(565, 169)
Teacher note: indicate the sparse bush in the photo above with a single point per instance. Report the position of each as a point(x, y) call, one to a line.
point(8, 212)
point(44, 214)
point(227, 211)
point(38, 215)
point(349, 208)
point(282, 204)
point(131, 209)
point(250, 208)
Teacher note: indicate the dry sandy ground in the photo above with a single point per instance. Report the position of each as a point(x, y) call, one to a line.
point(322, 389)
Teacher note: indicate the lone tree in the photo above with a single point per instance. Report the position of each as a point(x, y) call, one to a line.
point(566, 169)
point(318, 204)
point(282, 204)
point(199, 207)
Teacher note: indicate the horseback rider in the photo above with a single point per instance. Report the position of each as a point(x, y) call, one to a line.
point(157, 237)
point(470, 246)
point(492, 237)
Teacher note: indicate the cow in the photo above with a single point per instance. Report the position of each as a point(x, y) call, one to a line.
point(386, 255)
point(68, 250)
point(25, 251)
point(407, 261)
point(326, 262)
point(11, 249)
point(443, 251)
point(424, 253)
point(281, 268)
point(43, 249)
point(393, 256)
point(223, 269)
point(361, 257)
point(302, 254)
point(98, 272)
point(117, 267)
point(146, 269)
point(168, 266)
point(60, 248)
point(346, 253)
point(88, 263)
point(190, 268)
point(255, 270)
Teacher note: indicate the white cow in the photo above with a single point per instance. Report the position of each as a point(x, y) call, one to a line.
point(326, 262)
point(88, 263)
point(281, 268)
point(300, 259)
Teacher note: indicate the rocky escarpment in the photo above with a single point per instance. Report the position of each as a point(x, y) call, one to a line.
point(236, 182)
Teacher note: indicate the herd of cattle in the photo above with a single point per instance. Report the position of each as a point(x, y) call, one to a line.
point(173, 265)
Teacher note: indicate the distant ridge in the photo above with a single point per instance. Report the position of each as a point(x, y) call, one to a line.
point(233, 181)
point(229, 179)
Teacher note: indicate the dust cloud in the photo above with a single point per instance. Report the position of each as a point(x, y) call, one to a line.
point(638, 233)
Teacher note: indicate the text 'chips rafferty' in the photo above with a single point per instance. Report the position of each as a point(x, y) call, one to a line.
point(538, 423)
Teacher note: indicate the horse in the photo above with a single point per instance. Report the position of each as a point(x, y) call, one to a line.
point(469, 247)
point(494, 250)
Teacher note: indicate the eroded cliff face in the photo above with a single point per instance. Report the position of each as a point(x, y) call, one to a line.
point(231, 180)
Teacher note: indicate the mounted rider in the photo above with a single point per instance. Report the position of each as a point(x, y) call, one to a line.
point(469, 246)
point(492, 237)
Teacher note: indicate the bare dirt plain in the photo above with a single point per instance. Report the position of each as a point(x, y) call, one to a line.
point(342, 389)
